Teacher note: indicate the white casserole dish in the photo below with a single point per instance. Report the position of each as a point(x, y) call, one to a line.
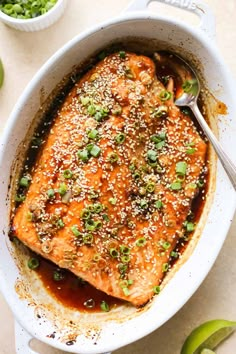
point(105, 332)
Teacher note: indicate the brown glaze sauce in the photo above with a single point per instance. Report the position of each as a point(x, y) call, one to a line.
point(70, 290)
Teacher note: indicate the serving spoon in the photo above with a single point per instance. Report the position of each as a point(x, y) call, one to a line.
point(187, 92)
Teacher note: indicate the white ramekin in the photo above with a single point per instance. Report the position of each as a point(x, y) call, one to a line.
point(37, 23)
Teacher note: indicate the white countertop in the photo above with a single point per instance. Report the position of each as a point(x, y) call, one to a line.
point(22, 54)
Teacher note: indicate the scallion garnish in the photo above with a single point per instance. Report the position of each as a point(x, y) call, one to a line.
point(120, 138)
point(87, 239)
point(122, 54)
point(160, 112)
point(62, 189)
point(24, 182)
point(83, 155)
point(93, 134)
point(75, 230)
point(165, 95)
point(58, 275)
point(125, 258)
point(113, 252)
point(84, 100)
point(124, 249)
point(104, 306)
point(190, 151)
point(51, 193)
point(19, 198)
point(176, 186)
point(141, 242)
point(33, 263)
point(181, 168)
point(158, 204)
point(113, 157)
point(60, 223)
point(190, 226)
point(112, 201)
point(85, 214)
point(143, 204)
point(156, 289)
point(165, 267)
point(150, 187)
point(67, 174)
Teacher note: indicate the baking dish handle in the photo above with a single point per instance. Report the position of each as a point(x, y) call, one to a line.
point(207, 23)
point(22, 340)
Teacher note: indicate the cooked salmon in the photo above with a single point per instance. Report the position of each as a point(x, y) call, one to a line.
point(111, 190)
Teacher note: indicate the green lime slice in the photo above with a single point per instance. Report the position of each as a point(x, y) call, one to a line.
point(207, 336)
point(1, 73)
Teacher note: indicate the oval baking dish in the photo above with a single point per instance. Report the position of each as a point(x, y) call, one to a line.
point(33, 308)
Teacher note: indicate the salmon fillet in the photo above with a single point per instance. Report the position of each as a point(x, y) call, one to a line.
point(115, 179)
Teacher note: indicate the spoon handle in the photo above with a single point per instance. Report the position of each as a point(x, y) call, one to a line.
point(228, 165)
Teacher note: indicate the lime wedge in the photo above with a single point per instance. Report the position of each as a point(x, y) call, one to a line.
point(207, 336)
point(1, 73)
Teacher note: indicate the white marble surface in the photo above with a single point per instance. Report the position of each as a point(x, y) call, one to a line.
point(22, 55)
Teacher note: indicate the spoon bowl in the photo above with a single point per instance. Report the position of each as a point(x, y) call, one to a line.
point(186, 94)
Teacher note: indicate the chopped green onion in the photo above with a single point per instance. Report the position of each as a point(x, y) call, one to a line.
point(33, 263)
point(166, 245)
point(200, 183)
point(97, 208)
point(136, 175)
point(87, 239)
point(19, 198)
point(113, 157)
point(92, 225)
point(95, 151)
point(124, 249)
point(60, 224)
point(143, 204)
point(58, 275)
point(122, 54)
point(160, 145)
point(91, 109)
point(128, 73)
point(141, 242)
point(75, 230)
point(120, 138)
point(62, 189)
point(152, 155)
point(114, 253)
point(93, 134)
point(67, 174)
point(125, 259)
point(84, 100)
point(105, 217)
point(104, 306)
point(85, 214)
point(83, 155)
point(174, 254)
point(150, 187)
point(126, 291)
point(24, 182)
point(190, 86)
point(165, 95)
point(190, 226)
point(51, 193)
point(158, 204)
point(176, 186)
point(122, 268)
point(160, 112)
point(181, 168)
point(190, 151)
point(156, 289)
point(165, 267)
point(113, 201)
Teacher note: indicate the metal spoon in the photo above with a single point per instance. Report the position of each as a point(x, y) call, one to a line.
point(187, 95)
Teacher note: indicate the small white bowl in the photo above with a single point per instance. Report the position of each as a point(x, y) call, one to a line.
point(37, 23)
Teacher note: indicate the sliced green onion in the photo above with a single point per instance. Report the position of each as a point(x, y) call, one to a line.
point(120, 138)
point(95, 151)
point(176, 186)
point(190, 151)
point(122, 268)
point(160, 112)
point(24, 182)
point(125, 258)
point(190, 86)
point(166, 245)
point(85, 214)
point(33, 263)
point(97, 208)
point(113, 201)
point(91, 109)
point(58, 275)
point(19, 198)
point(113, 252)
point(137, 175)
point(165, 95)
point(83, 155)
point(93, 134)
point(158, 204)
point(75, 230)
point(124, 249)
point(190, 226)
point(113, 157)
point(126, 291)
point(91, 225)
point(67, 174)
point(141, 242)
point(104, 306)
point(51, 193)
point(181, 168)
point(122, 54)
point(160, 145)
point(128, 73)
point(150, 187)
point(152, 155)
point(60, 223)
point(174, 254)
point(165, 267)
point(87, 239)
point(62, 189)
point(156, 289)
point(84, 100)
point(200, 183)
point(143, 204)
point(105, 217)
